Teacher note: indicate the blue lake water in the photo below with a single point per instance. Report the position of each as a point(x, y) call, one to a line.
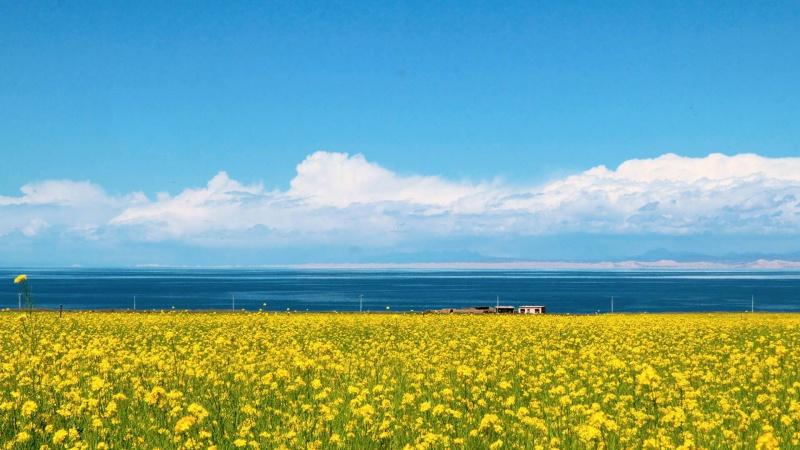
point(339, 290)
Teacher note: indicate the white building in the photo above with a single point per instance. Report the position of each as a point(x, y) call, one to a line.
point(528, 309)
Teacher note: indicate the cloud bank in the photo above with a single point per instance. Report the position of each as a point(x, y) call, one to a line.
point(337, 198)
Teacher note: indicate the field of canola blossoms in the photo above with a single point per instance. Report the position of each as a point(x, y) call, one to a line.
point(258, 380)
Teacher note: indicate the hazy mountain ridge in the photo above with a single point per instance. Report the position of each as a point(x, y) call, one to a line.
point(664, 264)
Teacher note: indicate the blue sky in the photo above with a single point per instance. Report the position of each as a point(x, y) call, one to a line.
point(148, 97)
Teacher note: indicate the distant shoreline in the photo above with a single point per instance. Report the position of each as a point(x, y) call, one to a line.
point(625, 265)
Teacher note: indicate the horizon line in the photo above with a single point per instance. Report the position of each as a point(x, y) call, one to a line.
point(621, 265)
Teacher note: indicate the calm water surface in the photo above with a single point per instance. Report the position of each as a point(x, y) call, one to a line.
point(403, 290)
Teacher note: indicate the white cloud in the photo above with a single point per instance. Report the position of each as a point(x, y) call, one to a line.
point(58, 192)
point(217, 206)
point(714, 167)
point(341, 198)
point(674, 194)
point(340, 180)
point(65, 205)
point(34, 227)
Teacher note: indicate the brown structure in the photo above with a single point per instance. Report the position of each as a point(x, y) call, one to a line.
point(470, 310)
point(499, 309)
point(528, 309)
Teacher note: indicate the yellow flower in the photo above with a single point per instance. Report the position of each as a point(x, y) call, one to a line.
point(59, 436)
point(198, 411)
point(28, 408)
point(767, 441)
point(20, 278)
point(97, 383)
point(588, 433)
point(490, 421)
point(185, 423)
point(156, 395)
point(23, 436)
point(648, 377)
point(419, 382)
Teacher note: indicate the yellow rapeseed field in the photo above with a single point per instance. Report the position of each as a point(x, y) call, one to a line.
point(389, 381)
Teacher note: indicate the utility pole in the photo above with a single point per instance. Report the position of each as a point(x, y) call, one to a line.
point(361, 303)
point(752, 303)
point(134, 303)
point(497, 303)
point(233, 303)
point(19, 298)
point(612, 304)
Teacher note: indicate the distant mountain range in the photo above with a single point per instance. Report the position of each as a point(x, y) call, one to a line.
point(661, 264)
point(730, 258)
point(656, 259)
